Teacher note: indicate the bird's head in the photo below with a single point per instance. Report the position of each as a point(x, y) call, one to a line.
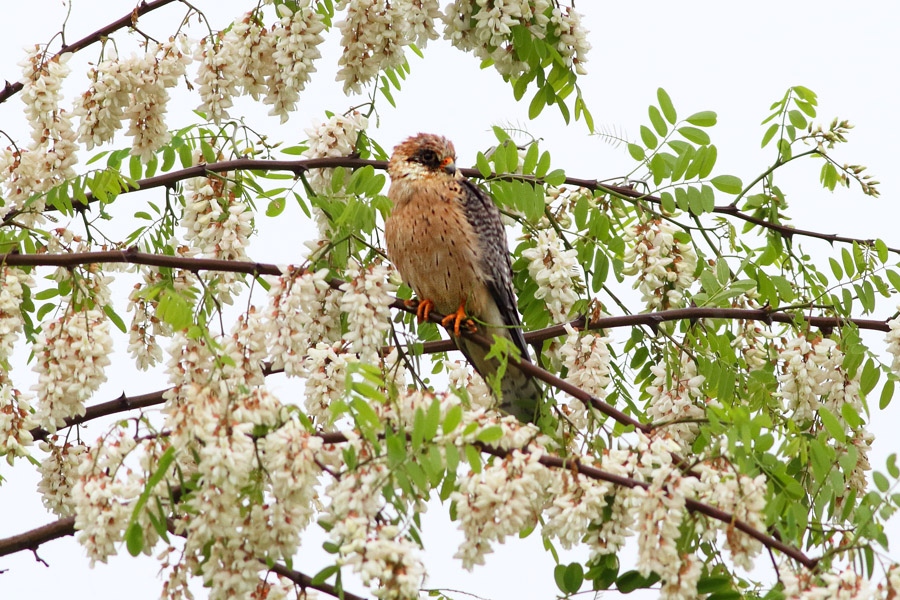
point(423, 156)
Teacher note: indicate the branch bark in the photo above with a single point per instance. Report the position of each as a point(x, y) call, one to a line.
point(11, 89)
point(300, 166)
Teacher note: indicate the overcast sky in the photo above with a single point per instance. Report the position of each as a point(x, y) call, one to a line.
point(733, 58)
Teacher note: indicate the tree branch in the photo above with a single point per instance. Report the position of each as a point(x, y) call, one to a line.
point(10, 89)
point(30, 540)
point(299, 166)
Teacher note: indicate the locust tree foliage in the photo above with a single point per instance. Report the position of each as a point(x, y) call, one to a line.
point(708, 373)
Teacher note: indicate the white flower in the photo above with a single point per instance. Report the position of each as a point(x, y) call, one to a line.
point(675, 396)
point(586, 358)
point(503, 499)
point(70, 356)
point(296, 48)
point(664, 267)
point(16, 421)
point(326, 369)
point(303, 310)
point(555, 271)
point(367, 303)
point(218, 78)
point(58, 473)
point(892, 339)
point(335, 137)
point(12, 281)
point(373, 34)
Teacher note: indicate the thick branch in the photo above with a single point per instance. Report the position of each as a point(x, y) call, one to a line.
point(30, 540)
point(129, 20)
point(299, 166)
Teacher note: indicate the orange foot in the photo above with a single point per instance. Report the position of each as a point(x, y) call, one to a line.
point(458, 317)
point(423, 310)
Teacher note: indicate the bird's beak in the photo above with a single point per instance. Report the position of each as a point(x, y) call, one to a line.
point(448, 165)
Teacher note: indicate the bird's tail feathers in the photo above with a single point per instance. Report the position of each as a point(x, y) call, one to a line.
point(520, 393)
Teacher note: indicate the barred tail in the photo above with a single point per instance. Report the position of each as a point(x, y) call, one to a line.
point(521, 393)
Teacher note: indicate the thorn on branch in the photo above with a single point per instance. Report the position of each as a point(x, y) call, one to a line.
point(38, 558)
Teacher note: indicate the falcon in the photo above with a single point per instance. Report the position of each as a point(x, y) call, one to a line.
point(447, 240)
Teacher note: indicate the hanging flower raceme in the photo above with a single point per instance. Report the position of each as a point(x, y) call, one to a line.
point(488, 31)
point(843, 585)
point(676, 396)
point(367, 303)
point(16, 420)
point(586, 357)
point(303, 310)
point(502, 500)
point(59, 471)
point(374, 32)
point(335, 137)
point(664, 266)
point(813, 376)
point(71, 354)
point(555, 270)
point(892, 339)
point(101, 493)
point(297, 37)
point(218, 79)
point(12, 287)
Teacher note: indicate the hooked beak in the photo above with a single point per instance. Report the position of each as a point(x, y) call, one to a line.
point(448, 165)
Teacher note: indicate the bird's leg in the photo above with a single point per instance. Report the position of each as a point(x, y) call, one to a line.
point(456, 318)
point(423, 309)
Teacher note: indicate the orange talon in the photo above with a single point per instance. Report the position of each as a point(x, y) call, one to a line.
point(424, 310)
point(456, 318)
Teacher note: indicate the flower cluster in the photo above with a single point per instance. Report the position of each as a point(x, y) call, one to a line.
point(58, 471)
point(134, 88)
point(555, 270)
point(676, 396)
point(664, 266)
point(892, 339)
point(374, 32)
point(70, 356)
point(485, 27)
point(253, 60)
point(845, 585)
point(367, 303)
point(303, 310)
point(586, 358)
point(218, 225)
point(813, 376)
point(335, 137)
point(11, 292)
point(100, 494)
point(503, 499)
point(16, 420)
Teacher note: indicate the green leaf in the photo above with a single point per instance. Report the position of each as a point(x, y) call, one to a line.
point(134, 539)
point(116, 319)
point(850, 415)
point(537, 104)
point(490, 434)
point(573, 577)
point(797, 119)
point(648, 138)
point(869, 377)
point(474, 458)
point(636, 152)
point(832, 425)
point(665, 103)
point(698, 136)
point(657, 121)
point(769, 134)
point(728, 184)
point(453, 419)
point(706, 118)
point(886, 394)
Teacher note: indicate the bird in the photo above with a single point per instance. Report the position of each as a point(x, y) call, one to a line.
point(446, 238)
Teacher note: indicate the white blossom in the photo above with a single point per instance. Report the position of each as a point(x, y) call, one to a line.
point(296, 48)
point(12, 287)
point(70, 356)
point(555, 270)
point(677, 396)
point(218, 79)
point(664, 266)
point(503, 499)
point(586, 358)
point(367, 303)
point(373, 34)
point(335, 137)
point(892, 339)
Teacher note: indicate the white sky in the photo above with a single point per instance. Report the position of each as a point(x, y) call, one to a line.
point(735, 59)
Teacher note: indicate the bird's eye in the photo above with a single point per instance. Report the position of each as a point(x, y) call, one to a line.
point(429, 158)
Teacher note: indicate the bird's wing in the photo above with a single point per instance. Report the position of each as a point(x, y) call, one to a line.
point(486, 222)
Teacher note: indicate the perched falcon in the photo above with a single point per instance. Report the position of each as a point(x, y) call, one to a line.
point(446, 238)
